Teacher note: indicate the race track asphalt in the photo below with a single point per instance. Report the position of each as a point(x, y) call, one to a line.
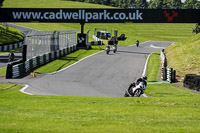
point(99, 75)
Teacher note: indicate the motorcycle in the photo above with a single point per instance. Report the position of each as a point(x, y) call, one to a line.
point(114, 48)
point(107, 49)
point(135, 90)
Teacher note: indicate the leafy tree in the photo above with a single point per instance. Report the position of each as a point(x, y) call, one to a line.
point(131, 4)
point(175, 4)
point(156, 4)
point(166, 4)
point(1, 3)
point(191, 4)
point(141, 4)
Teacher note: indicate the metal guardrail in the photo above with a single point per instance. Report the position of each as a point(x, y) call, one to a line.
point(96, 38)
point(41, 42)
point(29, 65)
point(10, 46)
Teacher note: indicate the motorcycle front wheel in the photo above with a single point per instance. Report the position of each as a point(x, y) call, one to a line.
point(137, 93)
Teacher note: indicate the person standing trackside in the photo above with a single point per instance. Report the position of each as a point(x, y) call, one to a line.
point(137, 43)
point(11, 56)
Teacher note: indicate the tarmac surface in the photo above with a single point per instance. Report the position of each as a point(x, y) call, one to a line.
point(98, 75)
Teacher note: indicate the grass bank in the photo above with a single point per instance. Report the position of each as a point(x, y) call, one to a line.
point(168, 109)
point(9, 35)
point(184, 56)
point(67, 60)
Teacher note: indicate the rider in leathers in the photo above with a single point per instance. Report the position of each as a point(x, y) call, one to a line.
point(142, 79)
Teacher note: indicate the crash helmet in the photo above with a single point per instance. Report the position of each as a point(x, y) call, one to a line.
point(145, 77)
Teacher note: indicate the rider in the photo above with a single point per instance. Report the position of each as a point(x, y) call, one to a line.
point(142, 79)
point(137, 82)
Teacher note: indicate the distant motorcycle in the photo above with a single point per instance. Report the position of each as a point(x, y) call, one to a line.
point(114, 48)
point(135, 90)
point(107, 49)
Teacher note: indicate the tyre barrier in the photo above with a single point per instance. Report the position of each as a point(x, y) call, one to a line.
point(192, 81)
point(10, 46)
point(22, 68)
point(171, 75)
point(167, 74)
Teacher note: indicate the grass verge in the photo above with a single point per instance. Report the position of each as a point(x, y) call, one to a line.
point(153, 67)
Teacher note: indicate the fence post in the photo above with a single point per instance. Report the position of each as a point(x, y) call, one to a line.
point(9, 71)
point(24, 52)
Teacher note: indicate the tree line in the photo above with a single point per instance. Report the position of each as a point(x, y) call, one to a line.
point(144, 4)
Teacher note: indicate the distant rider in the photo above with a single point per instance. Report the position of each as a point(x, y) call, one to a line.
point(137, 82)
point(137, 43)
point(108, 47)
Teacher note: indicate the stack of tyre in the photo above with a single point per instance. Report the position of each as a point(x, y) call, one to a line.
point(192, 81)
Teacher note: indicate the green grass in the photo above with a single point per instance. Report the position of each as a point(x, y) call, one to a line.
point(184, 56)
point(67, 60)
point(13, 35)
point(49, 4)
point(3, 71)
point(142, 32)
point(153, 67)
point(167, 109)
point(171, 109)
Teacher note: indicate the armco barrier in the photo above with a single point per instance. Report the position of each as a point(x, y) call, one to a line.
point(29, 65)
point(95, 43)
point(10, 47)
point(192, 81)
